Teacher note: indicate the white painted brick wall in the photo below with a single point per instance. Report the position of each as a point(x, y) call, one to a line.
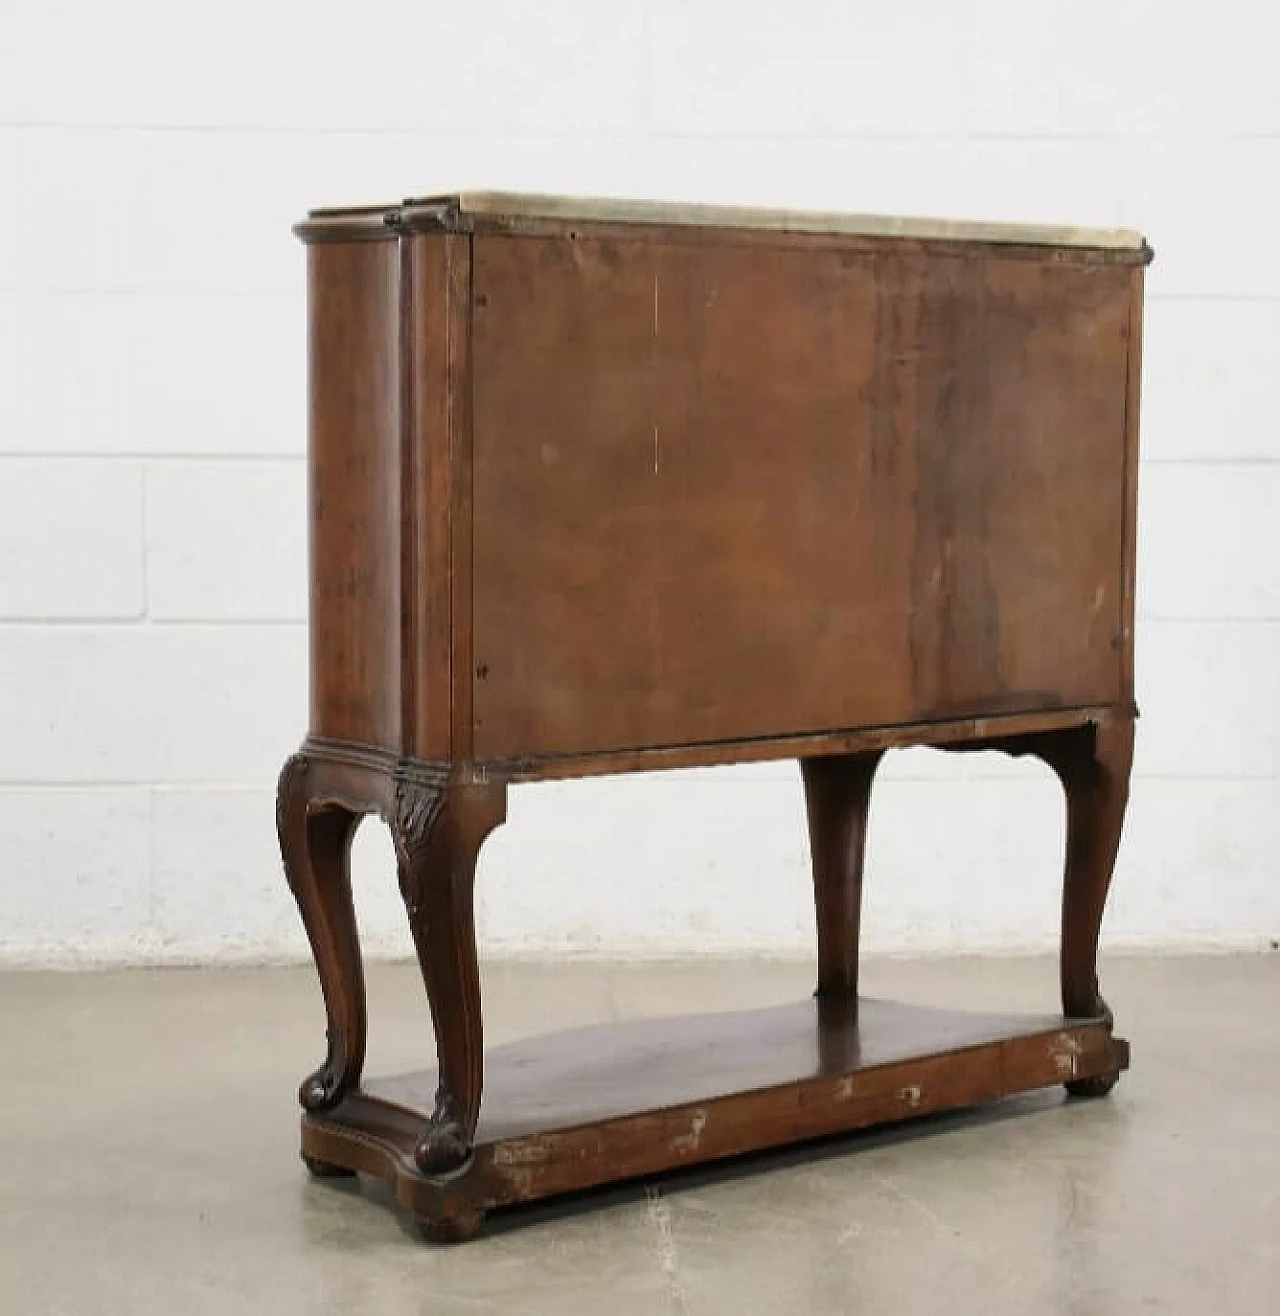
point(152, 392)
point(227, 540)
point(71, 540)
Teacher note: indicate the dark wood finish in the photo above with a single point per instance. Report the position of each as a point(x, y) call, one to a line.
point(641, 415)
point(601, 497)
point(316, 821)
point(437, 827)
point(458, 374)
point(434, 353)
point(837, 792)
point(814, 745)
point(571, 1110)
point(438, 849)
point(1129, 494)
point(355, 493)
point(1093, 762)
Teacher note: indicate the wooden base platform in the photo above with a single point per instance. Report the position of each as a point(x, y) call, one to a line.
point(575, 1109)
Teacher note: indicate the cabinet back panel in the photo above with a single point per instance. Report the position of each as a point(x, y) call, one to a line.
point(738, 491)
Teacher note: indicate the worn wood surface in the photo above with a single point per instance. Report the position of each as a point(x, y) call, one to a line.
point(533, 213)
point(837, 793)
point(1129, 491)
point(479, 208)
point(723, 494)
point(355, 491)
point(568, 1110)
point(600, 496)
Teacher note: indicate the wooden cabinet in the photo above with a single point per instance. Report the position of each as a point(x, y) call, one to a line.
point(599, 486)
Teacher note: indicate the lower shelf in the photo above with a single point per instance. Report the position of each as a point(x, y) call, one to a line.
point(590, 1106)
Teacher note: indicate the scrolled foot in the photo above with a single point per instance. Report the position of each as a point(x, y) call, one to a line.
point(326, 1169)
point(1098, 1086)
point(457, 1228)
point(443, 1146)
point(325, 1088)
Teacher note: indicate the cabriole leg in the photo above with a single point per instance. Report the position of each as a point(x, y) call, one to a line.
point(315, 844)
point(1094, 767)
point(837, 799)
point(1093, 763)
point(438, 833)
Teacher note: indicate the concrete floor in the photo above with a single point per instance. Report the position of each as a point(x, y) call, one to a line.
point(148, 1136)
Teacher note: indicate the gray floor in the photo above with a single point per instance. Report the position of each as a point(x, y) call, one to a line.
point(148, 1143)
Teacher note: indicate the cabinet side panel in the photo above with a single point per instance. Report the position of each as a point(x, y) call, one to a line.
point(728, 493)
point(354, 491)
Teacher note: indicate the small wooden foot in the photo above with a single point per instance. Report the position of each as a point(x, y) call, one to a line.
point(1098, 1086)
point(325, 1169)
point(457, 1228)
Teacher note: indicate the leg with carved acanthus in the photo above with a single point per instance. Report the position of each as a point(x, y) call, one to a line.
point(437, 826)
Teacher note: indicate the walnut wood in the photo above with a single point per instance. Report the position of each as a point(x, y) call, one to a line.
point(837, 793)
point(1129, 494)
point(437, 828)
point(438, 838)
point(430, 325)
point(1094, 766)
point(950, 448)
point(315, 826)
point(458, 376)
point(817, 744)
point(569, 1110)
point(595, 496)
point(1093, 763)
point(354, 464)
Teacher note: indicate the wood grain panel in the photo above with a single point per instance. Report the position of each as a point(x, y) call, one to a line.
point(724, 492)
point(354, 465)
point(1129, 499)
point(604, 1072)
point(430, 318)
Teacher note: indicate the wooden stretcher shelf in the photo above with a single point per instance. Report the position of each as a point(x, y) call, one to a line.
point(587, 1106)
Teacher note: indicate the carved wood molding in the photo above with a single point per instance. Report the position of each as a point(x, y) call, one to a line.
point(416, 808)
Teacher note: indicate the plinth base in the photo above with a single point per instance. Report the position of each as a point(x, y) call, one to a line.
point(576, 1109)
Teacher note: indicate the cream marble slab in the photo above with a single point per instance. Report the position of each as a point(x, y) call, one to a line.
point(518, 205)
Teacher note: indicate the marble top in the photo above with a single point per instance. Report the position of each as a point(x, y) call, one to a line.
point(522, 205)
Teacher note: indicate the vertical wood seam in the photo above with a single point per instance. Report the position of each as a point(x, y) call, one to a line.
point(458, 266)
point(1128, 489)
point(410, 627)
